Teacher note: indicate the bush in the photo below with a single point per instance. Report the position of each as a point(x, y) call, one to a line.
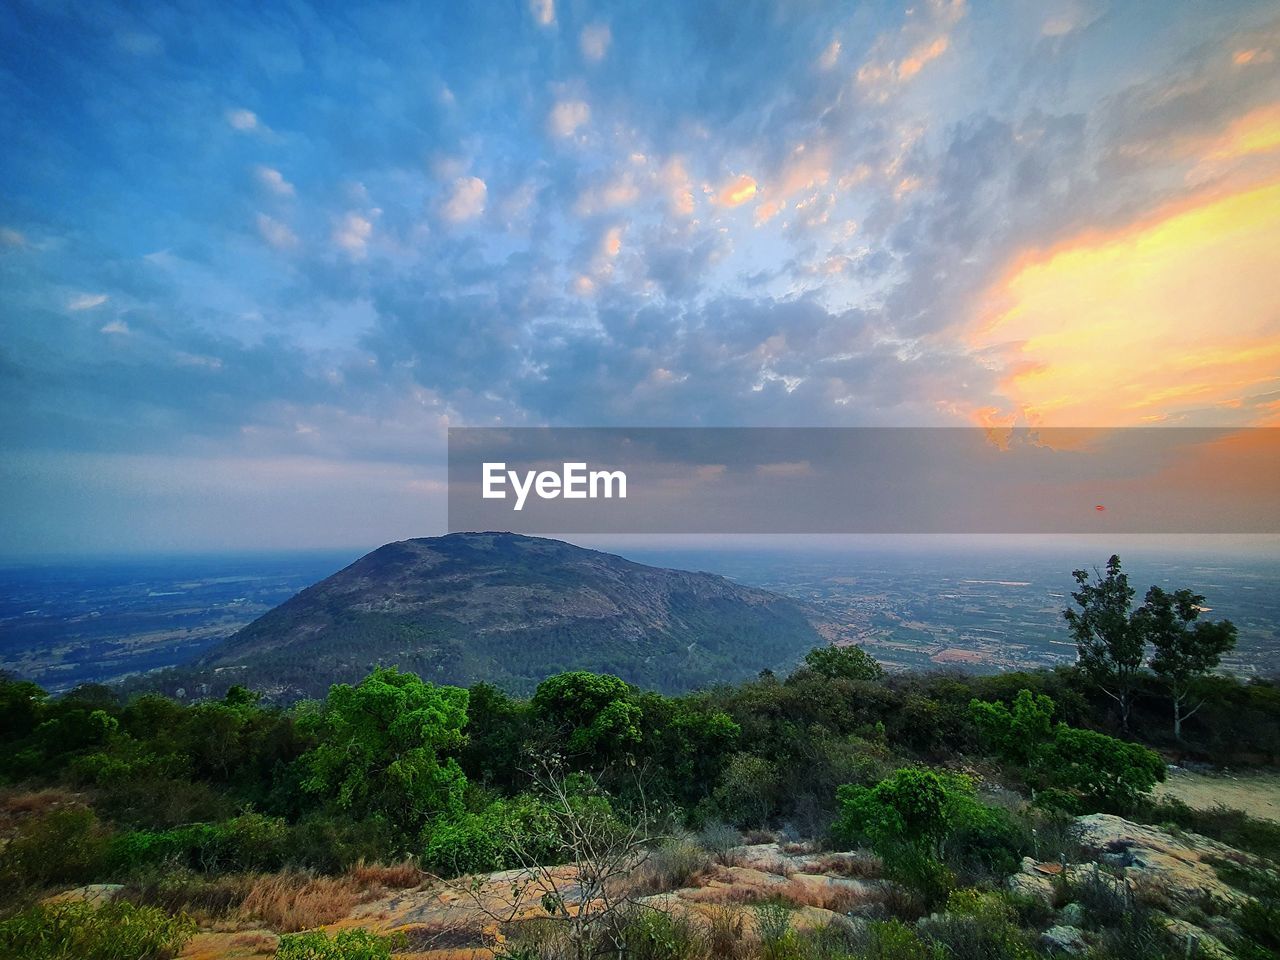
point(653, 935)
point(483, 842)
point(719, 839)
point(892, 940)
point(248, 842)
point(345, 945)
point(673, 864)
point(467, 843)
point(117, 930)
point(773, 923)
point(977, 925)
point(61, 846)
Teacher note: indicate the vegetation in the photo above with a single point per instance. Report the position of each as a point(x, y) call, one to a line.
point(234, 807)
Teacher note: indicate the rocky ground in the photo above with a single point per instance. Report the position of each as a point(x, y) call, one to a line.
point(1113, 865)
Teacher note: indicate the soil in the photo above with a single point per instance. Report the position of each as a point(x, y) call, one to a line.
point(1257, 794)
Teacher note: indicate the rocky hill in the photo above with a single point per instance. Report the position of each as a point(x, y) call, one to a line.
point(511, 610)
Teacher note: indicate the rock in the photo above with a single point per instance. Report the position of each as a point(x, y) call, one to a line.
point(1072, 915)
point(1167, 871)
point(1031, 885)
point(1065, 940)
point(1208, 946)
point(94, 894)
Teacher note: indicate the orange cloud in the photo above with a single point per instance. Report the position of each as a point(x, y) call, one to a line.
point(737, 191)
point(1144, 323)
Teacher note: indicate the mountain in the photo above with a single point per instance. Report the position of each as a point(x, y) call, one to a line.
point(511, 610)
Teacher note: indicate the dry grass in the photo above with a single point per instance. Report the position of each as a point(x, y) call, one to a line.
point(727, 934)
point(863, 866)
point(388, 876)
point(289, 902)
point(17, 805)
point(675, 864)
point(833, 897)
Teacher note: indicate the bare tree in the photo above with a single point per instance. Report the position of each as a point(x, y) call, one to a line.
point(585, 888)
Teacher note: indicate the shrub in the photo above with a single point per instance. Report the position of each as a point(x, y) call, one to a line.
point(247, 842)
point(117, 930)
point(61, 846)
point(726, 929)
point(773, 924)
point(673, 864)
point(184, 891)
point(345, 945)
point(486, 841)
point(892, 940)
point(467, 843)
point(977, 925)
point(652, 934)
point(719, 839)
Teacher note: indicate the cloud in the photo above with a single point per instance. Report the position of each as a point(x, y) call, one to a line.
point(12, 238)
point(87, 301)
point(243, 120)
point(620, 191)
point(276, 233)
point(352, 234)
point(543, 11)
point(611, 243)
point(830, 56)
point(594, 41)
point(679, 187)
point(466, 200)
point(116, 327)
point(274, 181)
point(567, 116)
point(737, 191)
point(897, 58)
point(1145, 322)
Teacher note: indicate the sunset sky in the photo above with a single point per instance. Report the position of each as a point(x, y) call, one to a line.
point(254, 264)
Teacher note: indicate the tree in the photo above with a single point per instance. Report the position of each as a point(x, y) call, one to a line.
point(910, 807)
point(594, 713)
point(379, 749)
point(1186, 648)
point(1019, 735)
point(849, 663)
point(1110, 640)
point(1108, 773)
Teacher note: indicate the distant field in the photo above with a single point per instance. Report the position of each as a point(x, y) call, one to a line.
point(75, 623)
point(990, 611)
point(1256, 794)
point(92, 622)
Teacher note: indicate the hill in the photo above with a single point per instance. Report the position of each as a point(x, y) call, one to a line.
point(512, 610)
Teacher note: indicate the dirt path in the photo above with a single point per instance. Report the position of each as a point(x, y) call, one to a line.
point(1257, 794)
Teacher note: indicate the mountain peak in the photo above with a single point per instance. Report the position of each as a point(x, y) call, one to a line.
point(513, 609)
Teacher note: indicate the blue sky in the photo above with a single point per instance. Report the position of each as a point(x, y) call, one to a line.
point(254, 262)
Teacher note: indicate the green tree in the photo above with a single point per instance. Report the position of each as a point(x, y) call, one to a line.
point(594, 713)
point(1019, 736)
point(1110, 639)
point(909, 807)
point(1186, 647)
point(1109, 774)
point(380, 746)
point(849, 663)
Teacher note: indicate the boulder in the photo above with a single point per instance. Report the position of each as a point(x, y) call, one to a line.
point(1068, 941)
point(1163, 869)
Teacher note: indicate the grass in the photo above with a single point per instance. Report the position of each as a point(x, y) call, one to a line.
point(290, 902)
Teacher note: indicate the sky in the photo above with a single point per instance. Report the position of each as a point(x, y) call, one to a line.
point(255, 260)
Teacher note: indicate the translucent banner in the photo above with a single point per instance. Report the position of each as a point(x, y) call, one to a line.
point(864, 480)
